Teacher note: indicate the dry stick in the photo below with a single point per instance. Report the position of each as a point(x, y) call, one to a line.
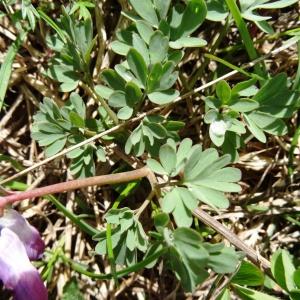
point(288, 44)
point(76, 184)
point(232, 238)
point(8, 115)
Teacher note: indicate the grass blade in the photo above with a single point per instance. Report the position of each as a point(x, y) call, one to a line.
point(245, 35)
point(53, 25)
point(6, 67)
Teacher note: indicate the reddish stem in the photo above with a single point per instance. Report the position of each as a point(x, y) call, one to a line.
point(75, 184)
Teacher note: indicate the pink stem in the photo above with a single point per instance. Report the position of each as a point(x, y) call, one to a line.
point(75, 184)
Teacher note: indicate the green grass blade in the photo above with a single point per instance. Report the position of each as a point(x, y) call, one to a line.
point(296, 84)
point(75, 219)
point(6, 67)
point(231, 66)
point(53, 25)
point(245, 35)
point(294, 144)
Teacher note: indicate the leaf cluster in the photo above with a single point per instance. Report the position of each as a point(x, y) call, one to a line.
point(73, 44)
point(261, 111)
point(217, 11)
point(55, 128)
point(284, 273)
point(188, 256)
point(128, 236)
point(150, 134)
point(151, 46)
point(204, 177)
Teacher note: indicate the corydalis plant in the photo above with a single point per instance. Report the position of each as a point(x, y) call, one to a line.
point(187, 255)
point(73, 44)
point(261, 111)
point(151, 50)
point(251, 10)
point(55, 127)
point(201, 176)
point(128, 236)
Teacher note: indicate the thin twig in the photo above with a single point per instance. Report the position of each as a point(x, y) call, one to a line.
point(232, 238)
point(145, 204)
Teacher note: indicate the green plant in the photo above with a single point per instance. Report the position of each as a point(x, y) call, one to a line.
point(231, 111)
point(54, 128)
point(202, 177)
point(132, 112)
point(73, 43)
point(284, 274)
point(218, 11)
point(128, 236)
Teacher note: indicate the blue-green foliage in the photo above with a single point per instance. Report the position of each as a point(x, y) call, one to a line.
point(128, 236)
point(55, 128)
point(261, 111)
point(205, 177)
point(250, 10)
point(73, 44)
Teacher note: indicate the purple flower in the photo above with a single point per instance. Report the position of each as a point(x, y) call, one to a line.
point(19, 243)
point(30, 237)
point(16, 271)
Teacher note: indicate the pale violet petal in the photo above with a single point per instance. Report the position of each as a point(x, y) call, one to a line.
point(16, 271)
point(28, 234)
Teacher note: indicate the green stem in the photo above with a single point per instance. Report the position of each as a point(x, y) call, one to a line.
point(242, 27)
point(135, 268)
point(110, 253)
point(47, 271)
point(296, 85)
point(229, 65)
point(75, 219)
point(291, 151)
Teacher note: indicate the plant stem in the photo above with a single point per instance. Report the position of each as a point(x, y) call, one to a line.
point(241, 24)
point(75, 219)
point(135, 268)
point(91, 91)
point(76, 184)
point(110, 253)
point(145, 204)
point(294, 145)
point(296, 84)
